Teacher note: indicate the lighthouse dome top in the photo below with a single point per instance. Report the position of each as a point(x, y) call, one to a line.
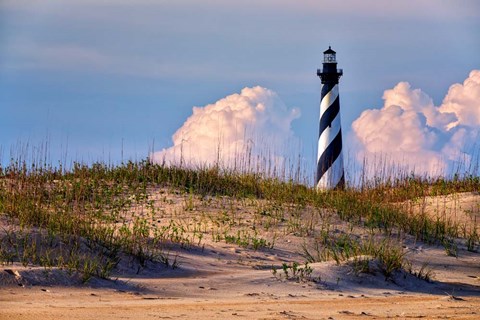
point(329, 51)
point(329, 56)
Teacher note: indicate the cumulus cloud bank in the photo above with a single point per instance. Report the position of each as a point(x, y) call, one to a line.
point(236, 132)
point(418, 136)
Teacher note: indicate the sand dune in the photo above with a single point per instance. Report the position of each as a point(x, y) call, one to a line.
point(219, 280)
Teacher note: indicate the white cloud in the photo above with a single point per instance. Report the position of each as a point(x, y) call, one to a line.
point(464, 101)
point(419, 136)
point(238, 131)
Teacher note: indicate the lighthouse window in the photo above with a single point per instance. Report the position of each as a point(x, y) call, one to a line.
point(329, 58)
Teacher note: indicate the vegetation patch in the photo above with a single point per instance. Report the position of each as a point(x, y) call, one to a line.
point(91, 218)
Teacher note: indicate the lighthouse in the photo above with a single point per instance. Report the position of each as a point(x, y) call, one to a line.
point(330, 173)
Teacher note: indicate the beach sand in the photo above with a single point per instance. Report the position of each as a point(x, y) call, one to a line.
point(219, 280)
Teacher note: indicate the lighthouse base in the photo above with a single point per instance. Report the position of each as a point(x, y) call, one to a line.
point(334, 177)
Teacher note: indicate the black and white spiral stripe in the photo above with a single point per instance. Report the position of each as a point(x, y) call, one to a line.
point(330, 173)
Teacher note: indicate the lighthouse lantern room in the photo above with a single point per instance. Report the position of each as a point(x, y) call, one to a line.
point(329, 55)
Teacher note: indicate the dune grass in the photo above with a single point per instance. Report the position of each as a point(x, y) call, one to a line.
point(83, 219)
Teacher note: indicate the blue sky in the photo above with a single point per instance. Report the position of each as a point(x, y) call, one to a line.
point(104, 79)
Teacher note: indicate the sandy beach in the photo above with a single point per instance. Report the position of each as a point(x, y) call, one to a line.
point(218, 280)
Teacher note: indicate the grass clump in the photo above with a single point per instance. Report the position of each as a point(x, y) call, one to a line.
point(345, 247)
point(293, 271)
